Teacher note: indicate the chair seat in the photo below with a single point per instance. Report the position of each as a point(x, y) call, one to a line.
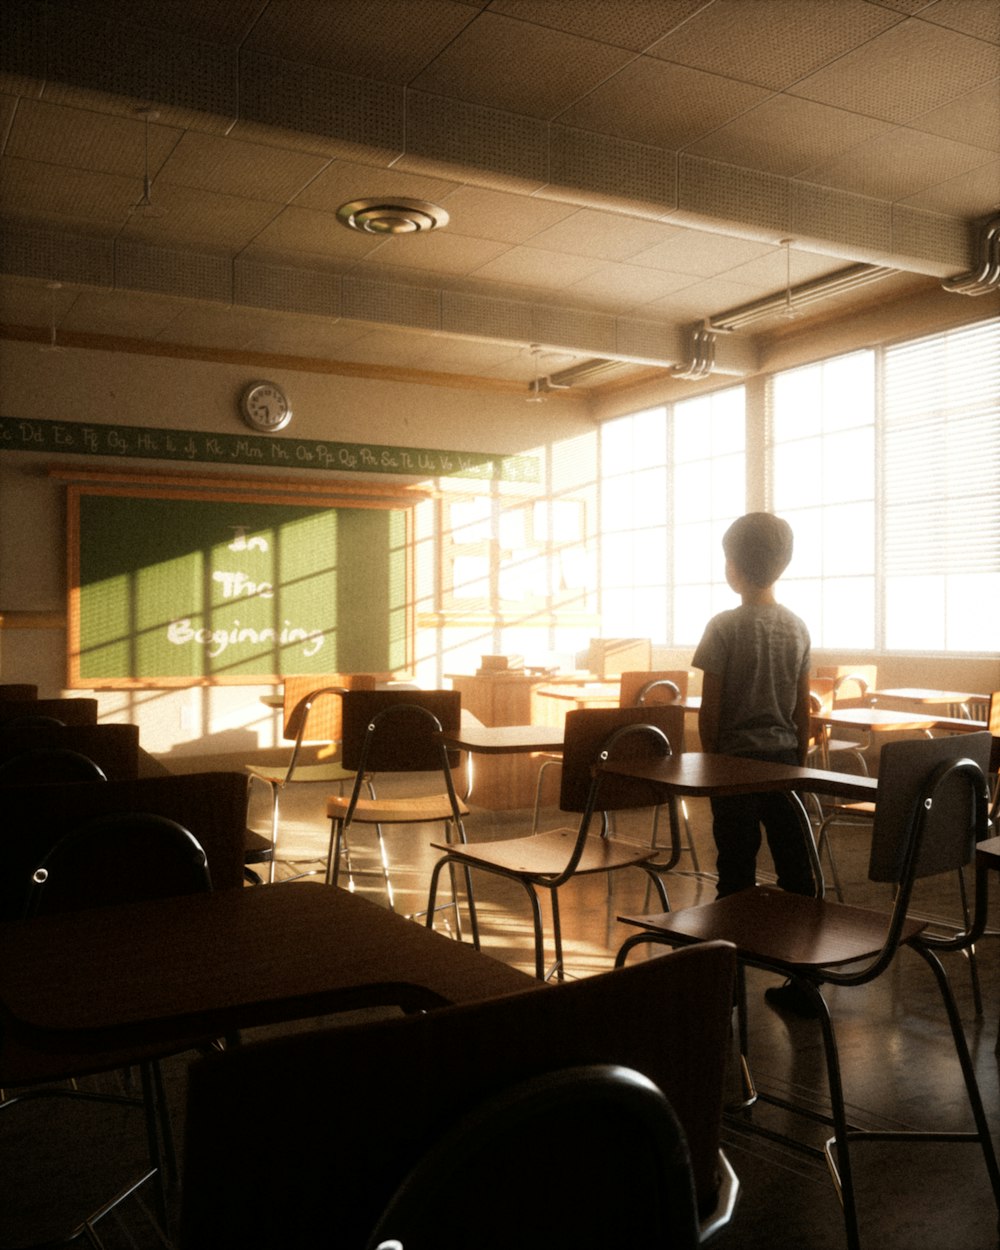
point(791, 931)
point(408, 811)
point(258, 847)
point(331, 773)
point(547, 854)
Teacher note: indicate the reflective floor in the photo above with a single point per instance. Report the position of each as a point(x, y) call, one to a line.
point(899, 1068)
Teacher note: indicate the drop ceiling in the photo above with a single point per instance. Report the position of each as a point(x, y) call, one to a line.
point(614, 174)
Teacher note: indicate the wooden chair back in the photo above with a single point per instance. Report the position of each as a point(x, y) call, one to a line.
point(404, 742)
point(66, 711)
point(20, 691)
point(403, 1082)
point(587, 730)
point(323, 722)
point(635, 682)
point(950, 829)
point(113, 747)
point(212, 806)
point(851, 682)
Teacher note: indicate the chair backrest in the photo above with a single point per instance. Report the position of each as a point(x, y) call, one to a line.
point(49, 766)
point(402, 1083)
point(557, 1125)
point(22, 691)
point(126, 857)
point(211, 805)
point(651, 686)
point(588, 729)
point(311, 718)
point(405, 740)
point(65, 711)
point(851, 682)
point(949, 828)
point(114, 747)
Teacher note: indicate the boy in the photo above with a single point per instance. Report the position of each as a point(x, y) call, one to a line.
point(755, 702)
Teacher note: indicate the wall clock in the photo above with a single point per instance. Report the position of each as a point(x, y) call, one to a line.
point(264, 407)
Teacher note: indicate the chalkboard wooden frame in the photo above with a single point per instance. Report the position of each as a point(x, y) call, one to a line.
point(307, 579)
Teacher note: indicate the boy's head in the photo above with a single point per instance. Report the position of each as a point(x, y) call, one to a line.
point(759, 546)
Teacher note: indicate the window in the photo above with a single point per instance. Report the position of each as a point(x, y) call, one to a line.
point(941, 478)
point(821, 453)
point(886, 463)
point(672, 479)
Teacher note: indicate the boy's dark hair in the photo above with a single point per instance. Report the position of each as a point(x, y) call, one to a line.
point(760, 546)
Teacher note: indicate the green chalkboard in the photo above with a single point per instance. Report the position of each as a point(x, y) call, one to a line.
point(172, 586)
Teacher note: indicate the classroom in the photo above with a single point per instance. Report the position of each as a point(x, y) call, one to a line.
point(440, 341)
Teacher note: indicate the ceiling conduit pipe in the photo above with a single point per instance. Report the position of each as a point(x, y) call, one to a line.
point(702, 355)
point(987, 277)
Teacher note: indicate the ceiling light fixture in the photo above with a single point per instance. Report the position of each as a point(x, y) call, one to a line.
point(148, 208)
point(391, 216)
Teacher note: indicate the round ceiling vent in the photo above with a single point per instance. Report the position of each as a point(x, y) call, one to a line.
point(396, 216)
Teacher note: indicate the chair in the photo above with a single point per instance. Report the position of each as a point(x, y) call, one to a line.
point(406, 1082)
point(113, 746)
point(109, 860)
point(547, 860)
point(49, 765)
point(69, 711)
point(396, 731)
point(312, 714)
point(930, 813)
point(557, 1125)
point(10, 690)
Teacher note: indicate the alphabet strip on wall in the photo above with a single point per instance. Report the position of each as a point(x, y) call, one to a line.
point(261, 451)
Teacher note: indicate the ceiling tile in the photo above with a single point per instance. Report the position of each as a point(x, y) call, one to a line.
point(297, 229)
point(31, 302)
point(785, 135)
point(204, 218)
point(621, 288)
point(84, 140)
point(607, 236)
point(440, 251)
point(772, 43)
point(230, 328)
point(369, 40)
point(532, 71)
point(703, 299)
point(770, 272)
point(633, 24)
point(8, 107)
point(911, 69)
point(54, 193)
point(977, 187)
point(219, 21)
point(531, 266)
point(308, 336)
point(232, 167)
point(501, 216)
point(343, 181)
point(703, 255)
point(973, 118)
point(979, 18)
point(899, 164)
point(662, 105)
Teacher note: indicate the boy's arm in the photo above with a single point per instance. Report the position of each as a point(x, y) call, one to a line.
point(708, 713)
point(803, 717)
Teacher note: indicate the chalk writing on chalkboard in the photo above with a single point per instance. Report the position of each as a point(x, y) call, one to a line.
point(263, 451)
point(173, 585)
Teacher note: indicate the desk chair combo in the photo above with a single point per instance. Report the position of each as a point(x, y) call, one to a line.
point(931, 811)
point(397, 732)
point(117, 858)
point(546, 861)
point(449, 1120)
point(312, 714)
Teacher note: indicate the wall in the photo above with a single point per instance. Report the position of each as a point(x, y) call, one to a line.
point(131, 389)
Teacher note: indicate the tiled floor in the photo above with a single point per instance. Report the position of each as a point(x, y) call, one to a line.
point(898, 1064)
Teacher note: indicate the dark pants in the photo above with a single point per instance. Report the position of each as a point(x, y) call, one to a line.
point(736, 825)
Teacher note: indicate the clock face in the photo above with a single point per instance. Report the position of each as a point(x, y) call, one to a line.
point(265, 407)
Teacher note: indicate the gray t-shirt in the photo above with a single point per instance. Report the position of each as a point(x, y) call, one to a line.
point(760, 654)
